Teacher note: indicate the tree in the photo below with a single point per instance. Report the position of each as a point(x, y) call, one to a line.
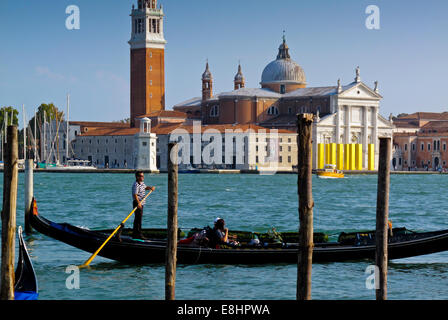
point(9, 112)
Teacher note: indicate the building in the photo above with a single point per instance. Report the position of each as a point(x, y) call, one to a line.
point(420, 141)
point(147, 60)
point(347, 117)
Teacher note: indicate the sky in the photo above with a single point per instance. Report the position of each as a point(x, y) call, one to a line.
point(41, 60)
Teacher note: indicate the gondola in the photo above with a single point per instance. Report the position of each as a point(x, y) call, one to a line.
point(349, 247)
point(25, 287)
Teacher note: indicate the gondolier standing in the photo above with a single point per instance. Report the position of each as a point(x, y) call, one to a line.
point(138, 193)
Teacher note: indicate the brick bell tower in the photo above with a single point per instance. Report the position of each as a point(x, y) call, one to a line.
point(147, 59)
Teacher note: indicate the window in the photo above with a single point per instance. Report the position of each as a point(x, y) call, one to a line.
point(423, 147)
point(150, 68)
point(413, 147)
point(280, 159)
point(289, 148)
point(282, 88)
point(214, 111)
point(435, 145)
point(289, 159)
point(144, 143)
point(405, 147)
point(273, 110)
point(429, 147)
point(289, 110)
point(444, 147)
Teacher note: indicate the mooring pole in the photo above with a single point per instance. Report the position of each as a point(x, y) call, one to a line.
point(29, 185)
point(171, 248)
point(382, 216)
point(306, 204)
point(10, 181)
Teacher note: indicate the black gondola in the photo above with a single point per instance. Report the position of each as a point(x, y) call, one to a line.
point(25, 287)
point(354, 246)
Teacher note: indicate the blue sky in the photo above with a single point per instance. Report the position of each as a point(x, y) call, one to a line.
point(41, 61)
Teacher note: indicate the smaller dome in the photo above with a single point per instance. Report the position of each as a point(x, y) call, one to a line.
point(239, 76)
point(207, 75)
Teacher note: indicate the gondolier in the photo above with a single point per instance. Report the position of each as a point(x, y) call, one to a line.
point(138, 193)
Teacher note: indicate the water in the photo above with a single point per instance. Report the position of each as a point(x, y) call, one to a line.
point(246, 202)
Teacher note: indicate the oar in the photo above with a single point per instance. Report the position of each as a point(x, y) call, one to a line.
point(88, 261)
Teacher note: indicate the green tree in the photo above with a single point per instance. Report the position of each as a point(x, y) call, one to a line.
point(11, 113)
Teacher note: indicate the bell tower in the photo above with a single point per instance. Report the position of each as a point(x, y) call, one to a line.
point(147, 59)
point(207, 83)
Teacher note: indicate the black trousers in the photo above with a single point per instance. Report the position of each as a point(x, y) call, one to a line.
point(138, 214)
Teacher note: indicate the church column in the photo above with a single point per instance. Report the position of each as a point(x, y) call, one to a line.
point(365, 140)
point(375, 134)
point(347, 124)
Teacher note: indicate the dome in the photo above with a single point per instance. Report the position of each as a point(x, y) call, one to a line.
point(283, 69)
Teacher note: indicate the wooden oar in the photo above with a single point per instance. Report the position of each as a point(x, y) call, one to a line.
point(88, 261)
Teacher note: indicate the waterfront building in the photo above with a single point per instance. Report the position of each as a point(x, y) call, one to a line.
point(420, 141)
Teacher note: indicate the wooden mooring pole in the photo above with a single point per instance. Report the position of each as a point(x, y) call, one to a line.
point(10, 181)
point(29, 184)
point(382, 216)
point(171, 248)
point(306, 204)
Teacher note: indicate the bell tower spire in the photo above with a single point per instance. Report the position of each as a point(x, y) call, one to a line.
point(207, 83)
point(239, 79)
point(147, 59)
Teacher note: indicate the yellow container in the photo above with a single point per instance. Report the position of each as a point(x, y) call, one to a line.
point(320, 155)
point(332, 153)
point(352, 156)
point(346, 157)
point(371, 157)
point(358, 154)
point(340, 157)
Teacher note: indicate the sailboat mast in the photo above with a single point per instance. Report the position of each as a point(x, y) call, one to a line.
point(24, 132)
point(35, 137)
point(66, 143)
point(43, 137)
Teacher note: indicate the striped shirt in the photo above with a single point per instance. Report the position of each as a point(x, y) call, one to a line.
point(139, 190)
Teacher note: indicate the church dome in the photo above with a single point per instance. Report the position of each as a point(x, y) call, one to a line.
point(283, 69)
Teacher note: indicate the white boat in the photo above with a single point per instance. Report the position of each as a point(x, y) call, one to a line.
point(73, 165)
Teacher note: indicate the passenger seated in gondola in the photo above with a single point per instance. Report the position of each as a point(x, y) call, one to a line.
point(219, 235)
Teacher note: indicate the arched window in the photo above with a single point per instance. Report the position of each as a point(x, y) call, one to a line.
point(273, 110)
point(214, 111)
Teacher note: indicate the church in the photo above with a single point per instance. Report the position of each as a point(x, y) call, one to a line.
point(347, 121)
point(345, 131)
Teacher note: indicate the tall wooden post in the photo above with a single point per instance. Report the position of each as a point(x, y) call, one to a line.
point(382, 216)
point(171, 248)
point(29, 185)
point(10, 180)
point(306, 204)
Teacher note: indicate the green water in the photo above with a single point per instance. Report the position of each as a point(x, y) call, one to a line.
point(246, 202)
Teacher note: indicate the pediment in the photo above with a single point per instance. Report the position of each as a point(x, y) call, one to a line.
point(360, 91)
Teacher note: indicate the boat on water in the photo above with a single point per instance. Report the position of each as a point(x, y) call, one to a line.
point(267, 250)
point(330, 172)
point(72, 165)
point(25, 287)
